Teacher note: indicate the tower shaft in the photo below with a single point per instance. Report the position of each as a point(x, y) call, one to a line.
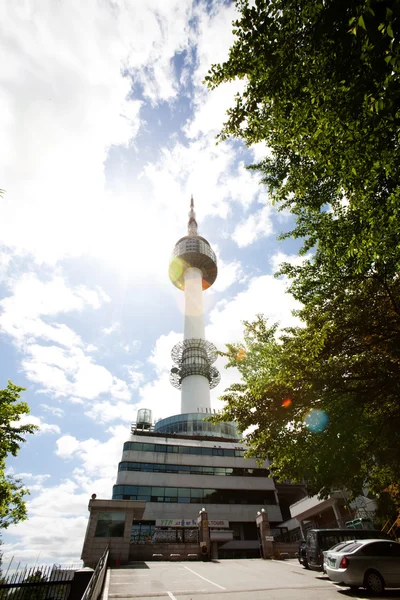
point(195, 395)
point(194, 314)
point(193, 269)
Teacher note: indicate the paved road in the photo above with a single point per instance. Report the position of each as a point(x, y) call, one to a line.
point(250, 579)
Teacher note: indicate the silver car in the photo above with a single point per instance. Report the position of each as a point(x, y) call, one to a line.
point(336, 548)
point(373, 564)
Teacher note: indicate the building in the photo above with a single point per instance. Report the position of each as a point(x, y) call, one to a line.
point(185, 463)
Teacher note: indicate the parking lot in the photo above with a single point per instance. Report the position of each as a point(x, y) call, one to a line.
point(247, 579)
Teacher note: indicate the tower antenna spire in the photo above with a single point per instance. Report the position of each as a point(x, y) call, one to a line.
point(192, 223)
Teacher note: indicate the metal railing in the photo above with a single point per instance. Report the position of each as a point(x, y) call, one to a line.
point(95, 585)
point(51, 582)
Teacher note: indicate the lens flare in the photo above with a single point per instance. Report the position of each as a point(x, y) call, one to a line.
point(241, 354)
point(287, 403)
point(316, 420)
point(176, 269)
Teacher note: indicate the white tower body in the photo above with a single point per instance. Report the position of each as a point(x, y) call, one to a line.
point(195, 395)
point(193, 268)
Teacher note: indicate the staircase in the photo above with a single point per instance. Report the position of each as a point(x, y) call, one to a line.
point(391, 526)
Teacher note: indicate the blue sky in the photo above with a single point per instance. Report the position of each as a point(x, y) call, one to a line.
point(106, 131)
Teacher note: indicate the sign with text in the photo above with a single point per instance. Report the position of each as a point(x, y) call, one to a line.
point(213, 523)
point(216, 523)
point(269, 538)
point(176, 523)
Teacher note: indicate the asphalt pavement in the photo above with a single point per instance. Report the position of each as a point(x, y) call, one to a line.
point(247, 579)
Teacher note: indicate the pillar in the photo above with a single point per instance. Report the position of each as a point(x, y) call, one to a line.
point(204, 534)
point(264, 532)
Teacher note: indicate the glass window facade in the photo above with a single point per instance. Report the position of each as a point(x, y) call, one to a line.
point(193, 495)
point(174, 449)
point(194, 424)
point(142, 532)
point(110, 524)
point(192, 469)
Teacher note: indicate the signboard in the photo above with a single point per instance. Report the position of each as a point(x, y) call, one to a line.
point(213, 523)
point(218, 523)
point(269, 538)
point(176, 523)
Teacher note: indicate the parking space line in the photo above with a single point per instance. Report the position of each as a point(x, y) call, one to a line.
point(205, 579)
point(170, 594)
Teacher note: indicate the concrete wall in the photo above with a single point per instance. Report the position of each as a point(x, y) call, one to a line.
point(204, 481)
point(94, 547)
point(230, 512)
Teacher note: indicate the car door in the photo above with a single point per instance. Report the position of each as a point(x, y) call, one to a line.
point(392, 562)
point(381, 556)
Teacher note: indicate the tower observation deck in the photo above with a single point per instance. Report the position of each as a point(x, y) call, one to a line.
point(193, 268)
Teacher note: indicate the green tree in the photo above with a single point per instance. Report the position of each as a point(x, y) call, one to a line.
point(322, 91)
point(323, 399)
point(12, 435)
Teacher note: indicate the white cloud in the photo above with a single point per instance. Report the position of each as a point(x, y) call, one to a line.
point(228, 273)
point(33, 298)
point(63, 368)
point(293, 259)
point(115, 326)
point(260, 151)
point(57, 513)
point(43, 427)
point(55, 410)
point(254, 227)
point(135, 377)
point(214, 37)
point(160, 356)
point(106, 411)
point(265, 295)
point(68, 78)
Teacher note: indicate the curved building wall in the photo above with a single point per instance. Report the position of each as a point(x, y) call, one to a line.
point(195, 424)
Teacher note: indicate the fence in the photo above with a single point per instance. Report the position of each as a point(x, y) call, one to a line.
point(95, 586)
point(175, 536)
point(37, 583)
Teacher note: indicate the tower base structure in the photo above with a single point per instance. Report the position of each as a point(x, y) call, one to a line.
point(186, 465)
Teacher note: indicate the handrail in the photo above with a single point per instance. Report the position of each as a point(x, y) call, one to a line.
point(95, 584)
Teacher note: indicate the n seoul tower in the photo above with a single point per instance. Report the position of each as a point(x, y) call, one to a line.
point(193, 269)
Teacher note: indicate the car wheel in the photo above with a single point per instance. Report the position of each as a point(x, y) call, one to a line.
point(373, 582)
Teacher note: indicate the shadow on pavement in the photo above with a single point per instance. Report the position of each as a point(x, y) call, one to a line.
point(361, 593)
point(139, 564)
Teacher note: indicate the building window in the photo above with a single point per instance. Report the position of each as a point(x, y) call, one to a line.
point(192, 469)
point(199, 450)
point(194, 495)
point(110, 524)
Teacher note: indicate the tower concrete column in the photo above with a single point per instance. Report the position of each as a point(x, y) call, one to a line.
point(193, 269)
point(194, 314)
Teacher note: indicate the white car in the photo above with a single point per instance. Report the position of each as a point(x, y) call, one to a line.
point(373, 564)
point(335, 548)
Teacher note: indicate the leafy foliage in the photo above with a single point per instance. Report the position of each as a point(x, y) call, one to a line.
point(12, 435)
point(322, 91)
point(323, 399)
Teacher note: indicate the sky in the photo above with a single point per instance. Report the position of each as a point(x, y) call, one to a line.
point(106, 130)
